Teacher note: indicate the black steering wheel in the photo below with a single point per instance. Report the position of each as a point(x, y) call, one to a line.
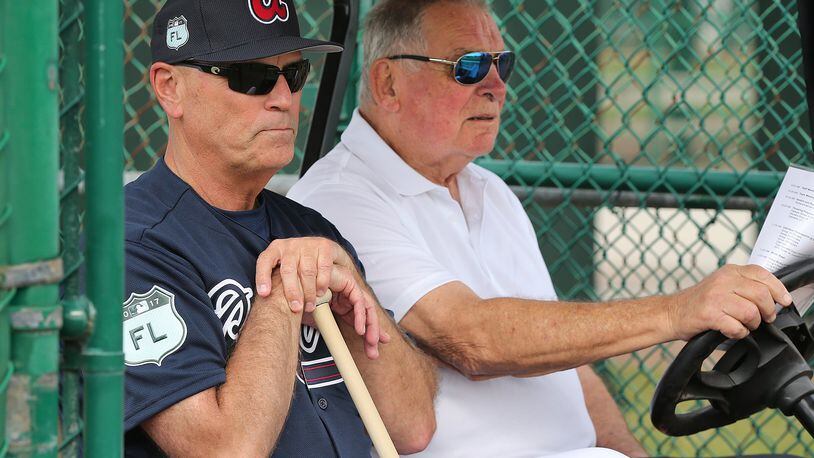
point(768, 368)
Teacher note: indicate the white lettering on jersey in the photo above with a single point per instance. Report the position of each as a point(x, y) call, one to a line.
point(233, 301)
point(309, 338)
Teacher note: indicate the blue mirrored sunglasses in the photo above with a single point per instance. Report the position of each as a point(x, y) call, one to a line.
point(472, 67)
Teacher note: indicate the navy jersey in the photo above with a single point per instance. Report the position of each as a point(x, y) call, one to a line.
point(189, 288)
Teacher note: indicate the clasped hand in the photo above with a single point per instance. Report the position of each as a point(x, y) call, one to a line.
point(309, 267)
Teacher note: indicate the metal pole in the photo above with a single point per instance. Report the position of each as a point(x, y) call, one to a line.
point(335, 75)
point(550, 197)
point(103, 362)
point(642, 179)
point(5, 213)
point(31, 164)
point(805, 22)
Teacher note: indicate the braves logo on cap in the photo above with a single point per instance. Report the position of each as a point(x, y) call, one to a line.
point(268, 11)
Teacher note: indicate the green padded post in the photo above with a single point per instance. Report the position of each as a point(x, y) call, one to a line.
point(103, 362)
point(30, 163)
point(5, 214)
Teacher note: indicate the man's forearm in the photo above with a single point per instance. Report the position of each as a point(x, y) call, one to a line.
point(555, 336)
point(508, 336)
point(260, 375)
point(402, 383)
point(252, 403)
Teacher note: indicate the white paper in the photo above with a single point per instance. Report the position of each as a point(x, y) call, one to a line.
point(787, 235)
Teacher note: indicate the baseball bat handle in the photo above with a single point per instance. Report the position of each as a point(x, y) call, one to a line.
point(353, 379)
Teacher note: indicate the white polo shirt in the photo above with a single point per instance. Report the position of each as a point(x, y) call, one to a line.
point(413, 237)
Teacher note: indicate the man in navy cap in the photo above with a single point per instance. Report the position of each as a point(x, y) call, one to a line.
point(216, 364)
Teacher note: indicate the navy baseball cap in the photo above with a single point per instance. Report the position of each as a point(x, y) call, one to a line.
point(229, 31)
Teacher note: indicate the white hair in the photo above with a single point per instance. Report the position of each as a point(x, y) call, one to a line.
point(395, 27)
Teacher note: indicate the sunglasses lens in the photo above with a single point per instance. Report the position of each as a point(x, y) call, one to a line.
point(296, 74)
point(253, 78)
point(505, 65)
point(472, 67)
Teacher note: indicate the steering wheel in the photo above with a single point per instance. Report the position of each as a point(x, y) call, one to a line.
point(766, 369)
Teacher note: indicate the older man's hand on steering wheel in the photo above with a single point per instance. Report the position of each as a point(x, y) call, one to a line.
point(733, 300)
point(768, 369)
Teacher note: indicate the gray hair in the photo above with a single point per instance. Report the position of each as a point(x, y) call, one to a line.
point(395, 27)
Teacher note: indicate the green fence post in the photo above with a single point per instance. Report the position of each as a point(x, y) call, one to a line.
point(31, 166)
point(103, 361)
point(5, 211)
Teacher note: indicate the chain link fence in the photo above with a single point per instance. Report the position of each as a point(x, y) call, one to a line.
point(641, 136)
point(72, 143)
point(612, 102)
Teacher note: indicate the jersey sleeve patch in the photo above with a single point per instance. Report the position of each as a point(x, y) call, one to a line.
point(153, 329)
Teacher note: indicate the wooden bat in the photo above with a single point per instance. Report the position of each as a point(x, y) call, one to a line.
point(353, 379)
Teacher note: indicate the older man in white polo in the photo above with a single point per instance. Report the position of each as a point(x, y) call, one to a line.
point(449, 248)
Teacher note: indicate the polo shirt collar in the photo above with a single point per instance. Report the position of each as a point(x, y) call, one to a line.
point(366, 144)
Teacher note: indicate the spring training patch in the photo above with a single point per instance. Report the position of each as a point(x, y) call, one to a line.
point(153, 329)
point(177, 32)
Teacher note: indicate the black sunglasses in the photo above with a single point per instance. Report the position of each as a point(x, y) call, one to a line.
point(472, 67)
point(254, 78)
